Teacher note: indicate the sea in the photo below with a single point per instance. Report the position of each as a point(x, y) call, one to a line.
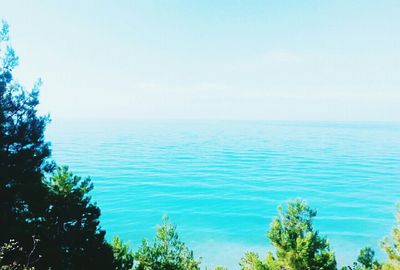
point(221, 182)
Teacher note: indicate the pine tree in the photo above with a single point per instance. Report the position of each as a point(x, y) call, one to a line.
point(58, 212)
point(24, 152)
point(298, 245)
point(168, 252)
point(72, 227)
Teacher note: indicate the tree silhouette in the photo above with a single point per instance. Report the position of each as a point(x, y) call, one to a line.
point(57, 211)
point(71, 226)
point(23, 152)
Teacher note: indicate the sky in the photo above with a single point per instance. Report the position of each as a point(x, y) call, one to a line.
point(211, 60)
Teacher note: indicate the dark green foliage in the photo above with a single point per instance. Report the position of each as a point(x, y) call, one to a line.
point(72, 226)
point(365, 261)
point(57, 211)
point(14, 257)
point(366, 257)
point(123, 255)
point(298, 245)
point(23, 152)
point(296, 241)
point(168, 252)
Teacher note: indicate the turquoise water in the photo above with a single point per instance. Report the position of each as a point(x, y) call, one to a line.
point(221, 182)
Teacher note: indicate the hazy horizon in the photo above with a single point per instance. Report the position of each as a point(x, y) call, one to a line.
point(225, 60)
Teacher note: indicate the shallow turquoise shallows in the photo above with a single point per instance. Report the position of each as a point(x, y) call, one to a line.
point(221, 182)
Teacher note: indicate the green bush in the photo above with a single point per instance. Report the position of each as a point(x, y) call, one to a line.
point(365, 261)
point(123, 255)
point(167, 252)
point(298, 245)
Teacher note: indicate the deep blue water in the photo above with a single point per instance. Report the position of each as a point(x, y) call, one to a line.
point(221, 182)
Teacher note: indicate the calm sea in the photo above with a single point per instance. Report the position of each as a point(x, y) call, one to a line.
point(221, 182)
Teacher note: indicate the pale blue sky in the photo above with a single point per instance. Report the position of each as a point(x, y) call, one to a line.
point(273, 60)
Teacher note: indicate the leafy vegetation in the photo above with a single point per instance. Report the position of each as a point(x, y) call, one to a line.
point(14, 257)
point(72, 225)
point(57, 211)
point(167, 252)
point(24, 153)
point(365, 261)
point(392, 247)
point(220, 268)
point(298, 245)
point(123, 255)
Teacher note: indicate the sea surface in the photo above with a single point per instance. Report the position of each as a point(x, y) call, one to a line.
point(221, 181)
